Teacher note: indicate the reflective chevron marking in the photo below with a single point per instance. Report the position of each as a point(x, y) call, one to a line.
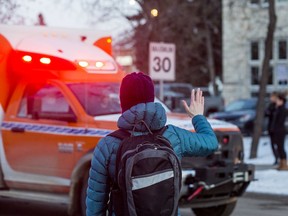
point(56, 129)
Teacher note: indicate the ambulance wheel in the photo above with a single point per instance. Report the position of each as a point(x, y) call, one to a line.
point(221, 210)
point(83, 193)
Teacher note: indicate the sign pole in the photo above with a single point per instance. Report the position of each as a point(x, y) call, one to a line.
point(161, 90)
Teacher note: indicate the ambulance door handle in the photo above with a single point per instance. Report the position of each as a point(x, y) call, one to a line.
point(18, 130)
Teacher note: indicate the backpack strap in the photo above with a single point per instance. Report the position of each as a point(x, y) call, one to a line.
point(161, 130)
point(120, 134)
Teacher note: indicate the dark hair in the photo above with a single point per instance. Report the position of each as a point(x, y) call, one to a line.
point(282, 96)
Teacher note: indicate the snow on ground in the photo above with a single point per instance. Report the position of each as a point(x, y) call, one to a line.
point(269, 180)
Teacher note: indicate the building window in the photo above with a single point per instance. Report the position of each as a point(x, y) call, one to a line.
point(254, 1)
point(281, 74)
point(255, 75)
point(282, 49)
point(278, 69)
point(282, 82)
point(255, 50)
point(264, 3)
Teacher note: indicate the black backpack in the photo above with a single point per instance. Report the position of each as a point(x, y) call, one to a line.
point(148, 176)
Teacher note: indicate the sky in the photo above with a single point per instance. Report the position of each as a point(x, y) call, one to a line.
point(74, 14)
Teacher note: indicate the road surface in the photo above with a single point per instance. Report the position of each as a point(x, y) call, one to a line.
point(248, 205)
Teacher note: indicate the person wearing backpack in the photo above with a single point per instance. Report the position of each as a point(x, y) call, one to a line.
point(143, 119)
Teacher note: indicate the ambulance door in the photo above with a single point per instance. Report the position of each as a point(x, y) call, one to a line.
point(40, 139)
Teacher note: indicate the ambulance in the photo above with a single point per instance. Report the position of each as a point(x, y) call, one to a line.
point(59, 95)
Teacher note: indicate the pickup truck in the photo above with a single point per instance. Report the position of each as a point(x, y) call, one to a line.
point(59, 96)
point(173, 93)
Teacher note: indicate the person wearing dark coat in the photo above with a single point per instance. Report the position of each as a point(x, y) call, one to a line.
point(278, 129)
point(269, 112)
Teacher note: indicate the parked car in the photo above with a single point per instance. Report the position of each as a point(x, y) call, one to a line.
point(213, 103)
point(175, 92)
point(242, 113)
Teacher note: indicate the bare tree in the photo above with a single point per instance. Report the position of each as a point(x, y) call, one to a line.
point(264, 78)
point(6, 10)
point(208, 26)
point(9, 13)
point(194, 26)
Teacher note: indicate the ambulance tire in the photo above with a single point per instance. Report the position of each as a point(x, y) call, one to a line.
point(83, 193)
point(221, 210)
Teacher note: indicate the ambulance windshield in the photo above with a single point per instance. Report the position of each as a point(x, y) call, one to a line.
point(97, 98)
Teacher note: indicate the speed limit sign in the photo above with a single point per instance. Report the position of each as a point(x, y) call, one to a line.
point(162, 61)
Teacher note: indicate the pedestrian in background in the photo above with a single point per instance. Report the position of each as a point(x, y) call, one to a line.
point(278, 129)
point(270, 113)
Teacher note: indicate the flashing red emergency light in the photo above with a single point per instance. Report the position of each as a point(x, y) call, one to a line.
point(45, 60)
point(27, 58)
point(36, 61)
point(105, 44)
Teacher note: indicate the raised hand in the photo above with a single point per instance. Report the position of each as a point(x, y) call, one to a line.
point(196, 105)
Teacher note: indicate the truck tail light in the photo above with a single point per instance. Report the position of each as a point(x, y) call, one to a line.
point(225, 140)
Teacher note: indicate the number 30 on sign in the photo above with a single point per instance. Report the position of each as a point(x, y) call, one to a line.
point(162, 61)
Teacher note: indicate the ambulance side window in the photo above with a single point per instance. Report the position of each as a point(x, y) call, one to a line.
point(45, 102)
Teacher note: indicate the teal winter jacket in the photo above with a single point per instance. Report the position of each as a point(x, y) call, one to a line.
point(185, 143)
